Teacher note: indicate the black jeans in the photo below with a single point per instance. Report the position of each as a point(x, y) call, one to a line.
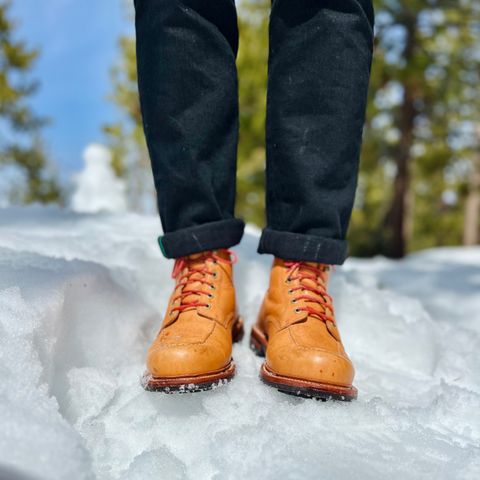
point(319, 67)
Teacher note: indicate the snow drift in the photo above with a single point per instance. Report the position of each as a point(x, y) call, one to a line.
point(81, 296)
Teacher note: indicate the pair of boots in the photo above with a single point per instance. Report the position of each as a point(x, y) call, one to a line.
point(295, 330)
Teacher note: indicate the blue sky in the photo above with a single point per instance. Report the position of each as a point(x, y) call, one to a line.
point(78, 43)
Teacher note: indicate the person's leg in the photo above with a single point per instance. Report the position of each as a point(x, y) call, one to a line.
point(319, 66)
point(188, 91)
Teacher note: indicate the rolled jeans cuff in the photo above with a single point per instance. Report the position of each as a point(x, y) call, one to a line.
point(302, 247)
point(199, 238)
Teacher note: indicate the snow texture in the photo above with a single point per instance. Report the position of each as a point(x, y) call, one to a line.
point(81, 297)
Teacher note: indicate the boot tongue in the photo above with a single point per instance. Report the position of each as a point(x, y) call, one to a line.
point(195, 256)
point(308, 281)
point(202, 256)
point(320, 266)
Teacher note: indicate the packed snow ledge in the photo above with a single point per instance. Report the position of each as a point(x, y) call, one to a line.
point(81, 297)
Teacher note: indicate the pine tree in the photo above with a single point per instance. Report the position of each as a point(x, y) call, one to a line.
point(20, 144)
point(417, 91)
point(252, 77)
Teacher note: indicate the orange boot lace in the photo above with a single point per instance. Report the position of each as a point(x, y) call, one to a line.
point(311, 288)
point(195, 276)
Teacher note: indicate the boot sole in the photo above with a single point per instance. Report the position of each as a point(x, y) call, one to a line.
point(297, 386)
point(189, 384)
point(195, 383)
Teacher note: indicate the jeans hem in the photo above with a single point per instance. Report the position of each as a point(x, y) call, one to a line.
point(303, 247)
point(199, 238)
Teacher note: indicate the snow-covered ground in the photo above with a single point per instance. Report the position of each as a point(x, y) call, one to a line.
point(81, 297)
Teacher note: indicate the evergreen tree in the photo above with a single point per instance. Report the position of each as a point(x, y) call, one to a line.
point(252, 79)
point(417, 91)
point(20, 144)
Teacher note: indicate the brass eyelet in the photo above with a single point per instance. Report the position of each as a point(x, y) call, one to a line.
point(215, 274)
point(297, 310)
point(210, 295)
point(288, 281)
point(213, 287)
point(208, 306)
point(290, 291)
point(293, 301)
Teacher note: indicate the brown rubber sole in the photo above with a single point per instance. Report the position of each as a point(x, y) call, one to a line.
point(195, 383)
point(297, 386)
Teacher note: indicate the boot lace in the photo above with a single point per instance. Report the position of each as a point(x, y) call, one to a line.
point(195, 276)
point(312, 280)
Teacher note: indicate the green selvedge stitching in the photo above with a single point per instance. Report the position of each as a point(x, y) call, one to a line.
point(162, 248)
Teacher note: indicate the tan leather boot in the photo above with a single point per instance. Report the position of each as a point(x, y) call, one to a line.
point(297, 333)
point(193, 350)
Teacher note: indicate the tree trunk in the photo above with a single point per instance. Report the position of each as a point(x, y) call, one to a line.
point(471, 225)
point(396, 219)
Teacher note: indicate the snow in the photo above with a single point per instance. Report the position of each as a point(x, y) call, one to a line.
point(81, 297)
point(97, 188)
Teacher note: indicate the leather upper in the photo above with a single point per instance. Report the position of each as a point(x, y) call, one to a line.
point(302, 345)
point(196, 334)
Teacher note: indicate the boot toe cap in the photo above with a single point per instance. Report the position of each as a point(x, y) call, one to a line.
point(184, 360)
point(312, 364)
